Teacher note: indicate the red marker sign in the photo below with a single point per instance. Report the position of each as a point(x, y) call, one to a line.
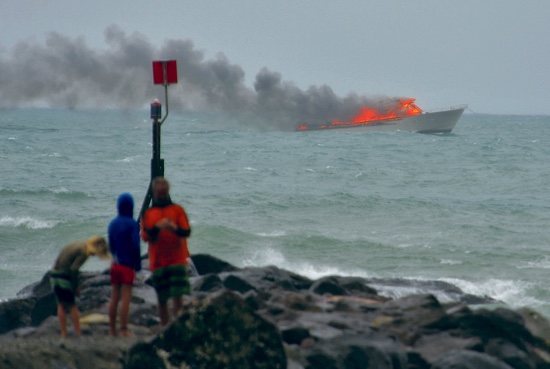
point(165, 72)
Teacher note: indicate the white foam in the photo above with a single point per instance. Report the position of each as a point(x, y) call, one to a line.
point(450, 262)
point(250, 168)
point(52, 155)
point(128, 159)
point(59, 190)
point(265, 257)
point(274, 257)
point(405, 245)
point(513, 293)
point(272, 234)
point(11, 138)
point(28, 222)
point(543, 263)
point(397, 292)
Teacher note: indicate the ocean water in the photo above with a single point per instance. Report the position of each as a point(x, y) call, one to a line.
point(471, 208)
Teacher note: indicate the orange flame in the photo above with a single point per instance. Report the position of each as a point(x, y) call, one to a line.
point(404, 107)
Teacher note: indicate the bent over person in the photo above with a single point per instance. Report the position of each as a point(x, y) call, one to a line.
point(166, 228)
point(64, 277)
point(124, 246)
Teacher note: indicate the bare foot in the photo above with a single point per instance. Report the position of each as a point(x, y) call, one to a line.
point(124, 332)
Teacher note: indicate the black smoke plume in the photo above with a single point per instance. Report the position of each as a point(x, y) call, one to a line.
point(67, 73)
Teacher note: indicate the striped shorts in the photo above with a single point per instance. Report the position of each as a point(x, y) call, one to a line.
point(171, 281)
point(64, 287)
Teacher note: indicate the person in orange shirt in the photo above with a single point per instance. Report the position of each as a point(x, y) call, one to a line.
point(166, 228)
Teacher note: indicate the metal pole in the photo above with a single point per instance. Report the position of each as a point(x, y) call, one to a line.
point(157, 164)
point(166, 102)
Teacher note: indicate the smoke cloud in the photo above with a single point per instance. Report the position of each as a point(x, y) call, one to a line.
point(65, 72)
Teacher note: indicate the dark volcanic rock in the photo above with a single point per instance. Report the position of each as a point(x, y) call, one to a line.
point(143, 356)
point(254, 301)
point(45, 304)
point(95, 291)
point(510, 354)
point(207, 264)
point(433, 347)
point(267, 317)
point(500, 323)
point(328, 285)
point(222, 332)
point(356, 286)
point(44, 307)
point(271, 277)
point(49, 352)
point(365, 351)
point(208, 283)
point(234, 283)
point(295, 335)
point(463, 359)
point(16, 313)
point(537, 324)
point(38, 289)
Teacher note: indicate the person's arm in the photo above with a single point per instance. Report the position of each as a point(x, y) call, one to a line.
point(148, 234)
point(172, 226)
point(182, 232)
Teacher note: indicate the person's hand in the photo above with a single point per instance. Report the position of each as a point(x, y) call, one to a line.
point(166, 223)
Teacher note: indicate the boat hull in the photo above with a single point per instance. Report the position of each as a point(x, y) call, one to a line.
point(428, 122)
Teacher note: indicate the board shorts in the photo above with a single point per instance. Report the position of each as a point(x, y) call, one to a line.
point(171, 281)
point(122, 274)
point(64, 287)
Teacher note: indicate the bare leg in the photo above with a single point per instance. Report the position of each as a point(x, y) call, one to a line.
point(62, 319)
point(126, 293)
point(178, 305)
point(113, 306)
point(163, 313)
point(75, 319)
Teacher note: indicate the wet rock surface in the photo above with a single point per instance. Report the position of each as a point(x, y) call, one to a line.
point(272, 318)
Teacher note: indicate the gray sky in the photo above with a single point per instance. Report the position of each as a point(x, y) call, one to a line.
point(492, 54)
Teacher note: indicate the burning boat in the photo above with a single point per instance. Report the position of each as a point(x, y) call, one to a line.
point(402, 114)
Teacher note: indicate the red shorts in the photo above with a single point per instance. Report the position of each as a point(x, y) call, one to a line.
point(122, 274)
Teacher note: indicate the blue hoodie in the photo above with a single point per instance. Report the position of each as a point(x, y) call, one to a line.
point(124, 234)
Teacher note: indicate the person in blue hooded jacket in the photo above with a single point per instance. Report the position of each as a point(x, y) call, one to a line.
point(124, 245)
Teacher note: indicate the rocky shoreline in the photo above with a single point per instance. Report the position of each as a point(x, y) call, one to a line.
point(268, 317)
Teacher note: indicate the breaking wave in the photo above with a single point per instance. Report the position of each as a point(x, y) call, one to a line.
point(27, 222)
point(273, 257)
point(60, 191)
point(512, 292)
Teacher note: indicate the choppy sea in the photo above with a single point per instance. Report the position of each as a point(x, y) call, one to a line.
point(471, 208)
